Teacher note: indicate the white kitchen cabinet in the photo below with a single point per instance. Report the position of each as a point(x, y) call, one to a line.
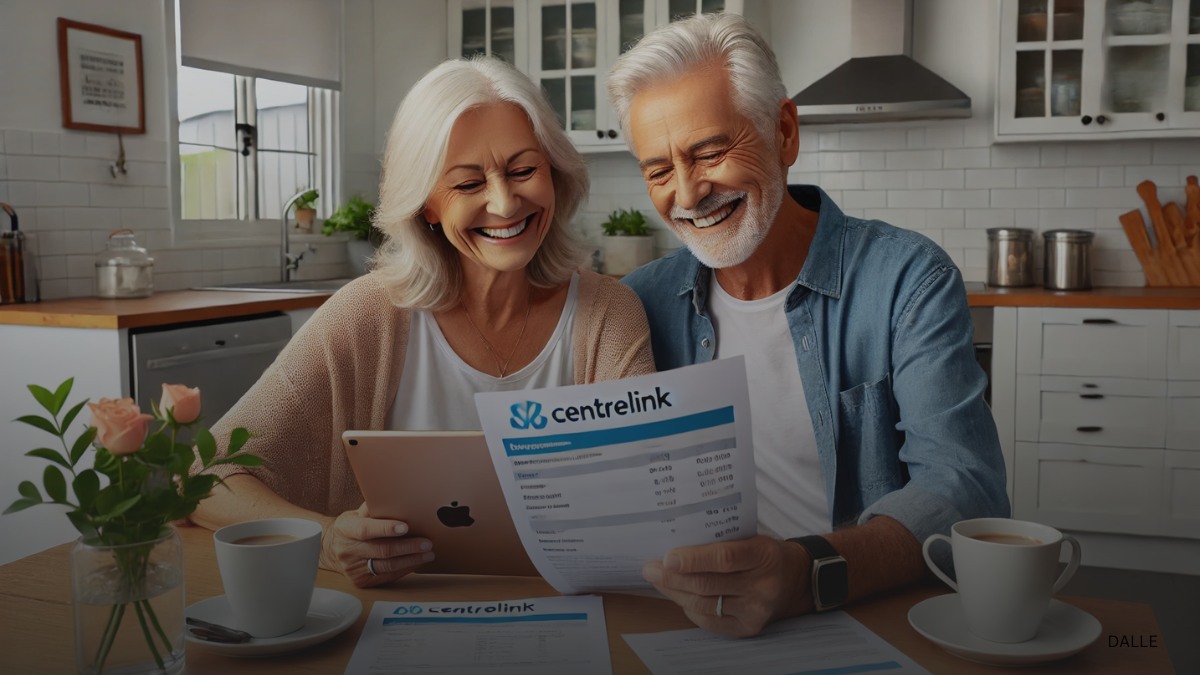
point(1096, 69)
point(1182, 493)
point(1183, 345)
point(1092, 342)
point(567, 47)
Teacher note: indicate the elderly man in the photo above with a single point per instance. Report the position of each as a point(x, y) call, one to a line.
point(863, 325)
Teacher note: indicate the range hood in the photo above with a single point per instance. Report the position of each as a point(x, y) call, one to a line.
point(881, 82)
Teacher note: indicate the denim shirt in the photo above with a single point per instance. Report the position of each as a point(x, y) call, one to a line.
point(882, 334)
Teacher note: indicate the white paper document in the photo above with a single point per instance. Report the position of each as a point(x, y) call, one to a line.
point(535, 636)
point(601, 478)
point(817, 644)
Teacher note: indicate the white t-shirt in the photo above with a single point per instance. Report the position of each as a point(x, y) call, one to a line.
point(791, 487)
point(437, 388)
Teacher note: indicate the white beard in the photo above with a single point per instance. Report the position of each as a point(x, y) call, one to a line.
point(735, 245)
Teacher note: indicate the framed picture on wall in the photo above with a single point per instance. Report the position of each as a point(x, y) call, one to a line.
point(100, 71)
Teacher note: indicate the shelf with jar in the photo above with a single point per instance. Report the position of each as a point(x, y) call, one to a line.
point(1098, 69)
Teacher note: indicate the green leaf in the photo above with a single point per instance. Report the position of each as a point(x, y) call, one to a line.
point(107, 464)
point(87, 486)
point(70, 417)
point(82, 523)
point(154, 409)
point(199, 486)
point(157, 449)
point(20, 505)
point(237, 439)
point(29, 491)
point(242, 460)
point(56, 485)
point(81, 444)
point(181, 461)
point(61, 394)
point(39, 422)
point(120, 508)
point(206, 445)
point(44, 397)
point(52, 455)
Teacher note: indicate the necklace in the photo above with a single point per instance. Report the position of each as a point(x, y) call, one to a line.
point(504, 366)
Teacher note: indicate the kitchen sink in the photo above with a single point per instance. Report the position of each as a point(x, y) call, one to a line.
point(320, 286)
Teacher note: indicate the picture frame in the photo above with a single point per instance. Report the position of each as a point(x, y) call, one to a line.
point(100, 73)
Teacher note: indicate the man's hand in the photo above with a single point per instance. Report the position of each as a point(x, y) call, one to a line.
point(758, 580)
point(354, 537)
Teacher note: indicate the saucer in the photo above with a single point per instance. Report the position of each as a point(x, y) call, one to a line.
point(330, 613)
point(1066, 630)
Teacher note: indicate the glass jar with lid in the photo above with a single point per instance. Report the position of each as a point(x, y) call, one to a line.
point(124, 269)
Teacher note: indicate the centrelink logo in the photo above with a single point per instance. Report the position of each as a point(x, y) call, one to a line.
point(526, 415)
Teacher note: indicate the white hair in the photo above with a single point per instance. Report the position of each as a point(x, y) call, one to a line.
point(419, 268)
point(676, 49)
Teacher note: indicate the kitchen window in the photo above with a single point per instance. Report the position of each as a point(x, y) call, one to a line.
point(246, 144)
point(257, 109)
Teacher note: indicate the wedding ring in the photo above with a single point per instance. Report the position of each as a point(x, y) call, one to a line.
point(371, 568)
point(720, 603)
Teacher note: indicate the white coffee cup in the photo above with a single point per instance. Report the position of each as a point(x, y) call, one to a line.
point(269, 587)
point(1005, 588)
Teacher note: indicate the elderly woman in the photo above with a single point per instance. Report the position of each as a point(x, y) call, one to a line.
point(477, 289)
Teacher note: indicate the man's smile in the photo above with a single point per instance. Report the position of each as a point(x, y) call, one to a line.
point(718, 215)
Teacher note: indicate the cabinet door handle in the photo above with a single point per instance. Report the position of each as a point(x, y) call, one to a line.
point(1092, 396)
point(1086, 119)
point(1101, 119)
point(1100, 321)
point(1089, 385)
point(1160, 116)
point(1089, 430)
point(612, 133)
point(599, 133)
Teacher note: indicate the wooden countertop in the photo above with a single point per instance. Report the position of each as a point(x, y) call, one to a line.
point(157, 310)
point(1113, 297)
point(179, 306)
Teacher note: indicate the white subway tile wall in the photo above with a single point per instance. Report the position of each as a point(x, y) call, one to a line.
point(948, 182)
point(69, 202)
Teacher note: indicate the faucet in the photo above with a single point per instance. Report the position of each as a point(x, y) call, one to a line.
point(289, 263)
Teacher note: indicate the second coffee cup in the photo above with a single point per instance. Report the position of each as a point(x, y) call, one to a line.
point(270, 575)
point(1006, 573)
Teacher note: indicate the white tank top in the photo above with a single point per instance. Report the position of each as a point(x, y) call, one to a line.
point(437, 388)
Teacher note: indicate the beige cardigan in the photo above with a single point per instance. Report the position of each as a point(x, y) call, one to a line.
point(342, 370)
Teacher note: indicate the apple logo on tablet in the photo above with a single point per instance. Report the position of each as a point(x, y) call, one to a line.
point(455, 515)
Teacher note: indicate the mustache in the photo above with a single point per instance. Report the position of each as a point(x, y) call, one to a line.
point(707, 205)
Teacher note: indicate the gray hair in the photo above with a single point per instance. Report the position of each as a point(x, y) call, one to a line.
point(676, 49)
point(419, 268)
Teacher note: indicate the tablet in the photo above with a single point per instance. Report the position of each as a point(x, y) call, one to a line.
point(442, 484)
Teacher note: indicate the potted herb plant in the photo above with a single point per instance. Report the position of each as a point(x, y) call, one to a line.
point(354, 218)
point(306, 211)
point(627, 242)
point(127, 567)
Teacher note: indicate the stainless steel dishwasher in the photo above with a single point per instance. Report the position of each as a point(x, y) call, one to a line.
point(223, 359)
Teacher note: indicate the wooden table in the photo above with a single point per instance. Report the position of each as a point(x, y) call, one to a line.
point(36, 622)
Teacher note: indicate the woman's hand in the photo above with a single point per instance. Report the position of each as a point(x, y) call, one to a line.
point(354, 537)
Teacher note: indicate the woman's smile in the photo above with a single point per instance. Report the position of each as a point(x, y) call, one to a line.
point(503, 236)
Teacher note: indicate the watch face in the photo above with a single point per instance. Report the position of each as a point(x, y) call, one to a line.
point(833, 582)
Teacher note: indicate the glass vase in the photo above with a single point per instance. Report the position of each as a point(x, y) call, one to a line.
point(128, 606)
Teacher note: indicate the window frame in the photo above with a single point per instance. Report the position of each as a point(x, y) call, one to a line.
point(252, 227)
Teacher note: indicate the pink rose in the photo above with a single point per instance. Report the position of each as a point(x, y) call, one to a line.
point(184, 403)
point(120, 425)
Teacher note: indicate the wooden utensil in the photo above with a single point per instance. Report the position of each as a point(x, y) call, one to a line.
point(1171, 263)
point(1135, 230)
point(1191, 263)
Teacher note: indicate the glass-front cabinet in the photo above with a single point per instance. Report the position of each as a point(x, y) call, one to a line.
point(1098, 68)
point(567, 47)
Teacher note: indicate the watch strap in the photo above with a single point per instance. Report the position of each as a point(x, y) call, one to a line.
point(818, 547)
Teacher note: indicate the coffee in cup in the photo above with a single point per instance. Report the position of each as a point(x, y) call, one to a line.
point(1006, 574)
point(269, 569)
point(266, 539)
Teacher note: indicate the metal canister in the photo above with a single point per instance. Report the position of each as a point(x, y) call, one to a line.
point(1010, 257)
point(1068, 260)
